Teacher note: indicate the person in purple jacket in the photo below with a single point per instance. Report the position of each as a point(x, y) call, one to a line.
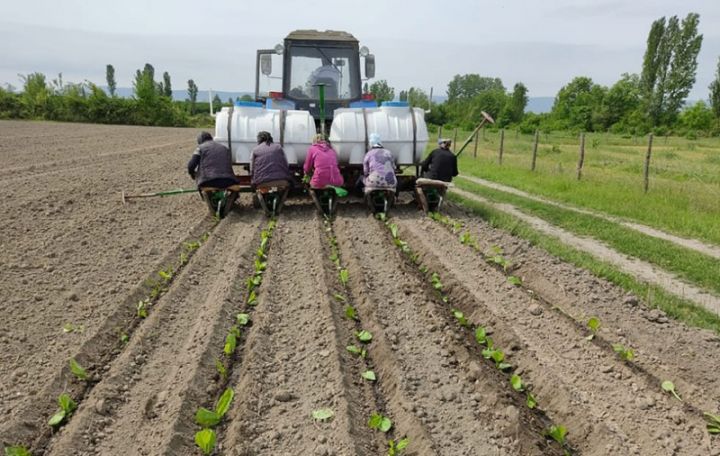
point(322, 163)
point(378, 167)
point(268, 164)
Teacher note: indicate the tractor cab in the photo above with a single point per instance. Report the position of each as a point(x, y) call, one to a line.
point(319, 72)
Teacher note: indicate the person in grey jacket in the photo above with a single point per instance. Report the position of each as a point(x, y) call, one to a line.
point(211, 164)
point(268, 163)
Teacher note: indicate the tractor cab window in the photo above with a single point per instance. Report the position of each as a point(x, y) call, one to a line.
point(335, 68)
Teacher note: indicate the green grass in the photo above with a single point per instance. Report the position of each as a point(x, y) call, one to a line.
point(675, 307)
point(695, 267)
point(684, 195)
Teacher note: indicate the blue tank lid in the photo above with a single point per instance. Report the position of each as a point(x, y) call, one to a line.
point(395, 104)
point(248, 104)
point(363, 104)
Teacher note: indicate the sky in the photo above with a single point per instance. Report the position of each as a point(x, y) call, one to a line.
point(419, 43)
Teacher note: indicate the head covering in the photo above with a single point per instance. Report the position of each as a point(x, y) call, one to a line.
point(375, 140)
point(204, 136)
point(444, 140)
point(264, 137)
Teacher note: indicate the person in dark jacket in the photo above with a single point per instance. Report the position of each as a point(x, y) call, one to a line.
point(441, 164)
point(268, 164)
point(211, 164)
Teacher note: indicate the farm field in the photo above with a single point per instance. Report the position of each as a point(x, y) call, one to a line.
point(478, 342)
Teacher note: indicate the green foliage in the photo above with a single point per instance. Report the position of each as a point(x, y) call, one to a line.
point(355, 350)
point(715, 92)
point(17, 450)
point(67, 407)
point(460, 317)
point(230, 344)
point(77, 370)
point(350, 313)
point(379, 422)
point(517, 383)
point(322, 414)
point(368, 375)
point(594, 325)
point(364, 336)
point(110, 78)
point(220, 367)
point(382, 91)
point(205, 440)
point(624, 353)
point(557, 433)
point(669, 387)
point(530, 401)
point(395, 448)
point(344, 276)
point(713, 423)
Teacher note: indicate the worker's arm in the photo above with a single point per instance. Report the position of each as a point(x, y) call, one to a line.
point(193, 164)
point(307, 166)
point(425, 164)
point(455, 168)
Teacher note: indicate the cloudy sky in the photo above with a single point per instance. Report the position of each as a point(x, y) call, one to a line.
point(420, 43)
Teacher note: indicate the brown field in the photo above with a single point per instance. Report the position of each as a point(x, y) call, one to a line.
point(76, 262)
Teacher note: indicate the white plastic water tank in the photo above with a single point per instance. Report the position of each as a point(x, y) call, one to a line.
point(394, 124)
point(248, 120)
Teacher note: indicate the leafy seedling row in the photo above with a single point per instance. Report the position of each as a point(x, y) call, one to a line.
point(626, 354)
point(207, 419)
point(490, 351)
point(359, 347)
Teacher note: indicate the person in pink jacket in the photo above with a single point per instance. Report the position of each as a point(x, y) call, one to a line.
point(322, 162)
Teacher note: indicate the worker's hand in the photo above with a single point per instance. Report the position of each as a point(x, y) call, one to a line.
point(192, 175)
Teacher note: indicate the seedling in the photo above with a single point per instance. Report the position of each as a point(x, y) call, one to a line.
point(593, 324)
point(322, 414)
point(243, 319)
point(467, 239)
point(713, 423)
point(364, 336)
point(230, 343)
point(344, 275)
point(460, 317)
point(369, 375)
point(393, 230)
point(78, 370)
point(557, 433)
point(435, 280)
point(480, 335)
point(206, 439)
point(513, 280)
point(669, 387)
point(355, 350)
point(124, 339)
point(252, 298)
point(500, 260)
point(260, 265)
point(381, 216)
point(221, 368)
point(530, 401)
point(67, 407)
point(142, 308)
point(379, 422)
point(210, 418)
point(183, 258)
point(424, 269)
point(517, 383)
point(69, 328)
point(624, 353)
point(17, 450)
point(339, 297)
point(394, 448)
point(350, 313)
point(166, 274)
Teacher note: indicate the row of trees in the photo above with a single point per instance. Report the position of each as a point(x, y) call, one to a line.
point(152, 103)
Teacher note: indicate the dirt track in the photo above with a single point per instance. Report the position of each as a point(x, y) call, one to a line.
point(74, 254)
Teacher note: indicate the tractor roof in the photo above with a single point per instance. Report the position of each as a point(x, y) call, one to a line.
point(327, 35)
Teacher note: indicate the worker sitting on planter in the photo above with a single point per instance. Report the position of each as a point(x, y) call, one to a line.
point(211, 167)
point(321, 164)
point(438, 170)
point(270, 173)
point(379, 173)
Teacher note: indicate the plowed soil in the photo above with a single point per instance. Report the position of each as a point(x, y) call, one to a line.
point(76, 262)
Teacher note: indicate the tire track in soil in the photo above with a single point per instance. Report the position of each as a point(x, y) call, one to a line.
point(28, 422)
point(446, 399)
point(293, 358)
point(161, 377)
point(690, 360)
point(568, 374)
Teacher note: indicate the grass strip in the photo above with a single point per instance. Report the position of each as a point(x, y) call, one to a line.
point(692, 266)
point(654, 296)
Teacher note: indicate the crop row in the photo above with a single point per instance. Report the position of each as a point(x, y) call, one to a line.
point(208, 419)
point(490, 351)
point(497, 259)
point(155, 287)
point(359, 347)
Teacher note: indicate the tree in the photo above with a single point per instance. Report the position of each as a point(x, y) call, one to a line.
point(518, 102)
point(578, 105)
point(669, 67)
point(697, 117)
point(715, 92)
point(36, 94)
point(246, 97)
point(110, 77)
point(418, 98)
point(167, 87)
point(216, 102)
point(192, 95)
point(382, 91)
point(465, 87)
point(621, 101)
point(403, 95)
point(144, 85)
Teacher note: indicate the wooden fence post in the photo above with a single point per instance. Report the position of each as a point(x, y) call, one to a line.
point(439, 132)
point(534, 153)
point(475, 146)
point(646, 173)
point(502, 145)
point(581, 160)
point(455, 140)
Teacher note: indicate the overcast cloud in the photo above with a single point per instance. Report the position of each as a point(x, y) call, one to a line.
point(420, 43)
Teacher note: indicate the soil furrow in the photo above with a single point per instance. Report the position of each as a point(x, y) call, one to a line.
point(164, 373)
point(291, 359)
point(572, 377)
point(444, 399)
point(689, 360)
